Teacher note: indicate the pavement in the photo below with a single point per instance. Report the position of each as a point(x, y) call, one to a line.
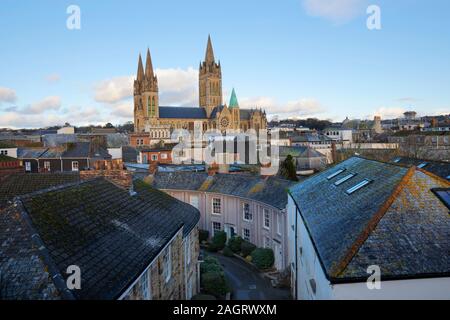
point(247, 283)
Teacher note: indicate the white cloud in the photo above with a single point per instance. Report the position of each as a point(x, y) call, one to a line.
point(337, 11)
point(53, 78)
point(176, 87)
point(388, 112)
point(114, 90)
point(305, 107)
point(7, 95)
point(47, 104)
point(123, 110)
point(76, 115)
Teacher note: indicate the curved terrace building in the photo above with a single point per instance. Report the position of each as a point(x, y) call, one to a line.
point(252, 207)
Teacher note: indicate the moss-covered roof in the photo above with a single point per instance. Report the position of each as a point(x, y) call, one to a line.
point(23, 183)
point(111, 235)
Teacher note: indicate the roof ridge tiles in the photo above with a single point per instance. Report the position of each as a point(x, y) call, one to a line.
point(432, 175)
point(52, 268)
point(338, 268)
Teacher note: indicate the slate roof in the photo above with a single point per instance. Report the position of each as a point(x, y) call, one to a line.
point(30, 153)
point(182, 112)
point(310, 137)
point(439, 168)
point(5, 158)
point(216, 110)
point(183, 212)
point(23, 183)
point(395, 222)
point(300, 152)
point(271, 191)
point(99, 227)
point(129, 154)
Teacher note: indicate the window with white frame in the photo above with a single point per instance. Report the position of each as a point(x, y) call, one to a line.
point(246, 234)
point(167, 264)
point(164, 156)
point(217, 226)
point(145, 285)
point(266, 219)
point(47, 165)
point(216, 206)
point(279, 222)
point(246, 212)
point(154, 157)
point(193, 201)
point(74, 165)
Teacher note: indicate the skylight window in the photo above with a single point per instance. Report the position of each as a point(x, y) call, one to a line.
point(443, 195)
point(342, 180)
point(397, 160)
point(335, 174)
point(422, 165)
point(360, 185)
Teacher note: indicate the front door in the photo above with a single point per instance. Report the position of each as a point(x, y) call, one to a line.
point(229, 230)
point(278, 256)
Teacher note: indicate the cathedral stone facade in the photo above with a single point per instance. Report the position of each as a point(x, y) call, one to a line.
point(160, 121)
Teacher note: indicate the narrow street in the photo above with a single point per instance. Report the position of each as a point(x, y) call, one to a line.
point(247, 283)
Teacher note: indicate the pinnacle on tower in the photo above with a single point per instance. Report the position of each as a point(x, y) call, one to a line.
point(209, 56)
point(149, 66)
point(233, 100)
point(140, 71)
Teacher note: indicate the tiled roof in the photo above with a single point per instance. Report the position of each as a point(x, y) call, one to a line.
point(183, 212)
point(439, 168)
point(308, 137)
point(300, 152)
point(272, 190)
point(23, 273)
point(100, 228)
point(129, 154)
point(182, 113)
point(4, 158)
point(30, 153)
point(395, 222)
point(23, 183)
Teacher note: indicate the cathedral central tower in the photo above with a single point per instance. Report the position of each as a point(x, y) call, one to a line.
point(210, 81)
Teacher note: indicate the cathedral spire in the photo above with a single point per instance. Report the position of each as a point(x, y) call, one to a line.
point(140, 71)
point(233, 100)
point(149, 66)
point(209, 56)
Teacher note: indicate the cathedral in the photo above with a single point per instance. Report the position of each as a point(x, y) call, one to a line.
point(160, 121)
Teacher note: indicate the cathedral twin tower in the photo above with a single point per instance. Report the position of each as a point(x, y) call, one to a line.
point(149, 115)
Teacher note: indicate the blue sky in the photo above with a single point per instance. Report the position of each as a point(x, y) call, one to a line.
point(295, 58)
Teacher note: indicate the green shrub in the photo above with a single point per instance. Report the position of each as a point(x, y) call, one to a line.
point(235, 244)
point(263, 258)
point(203, 235)
point(212, 247)
point(210, 264)
point(247, 248)
point(214, 283)
point(219, 239)
point(227, 252)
